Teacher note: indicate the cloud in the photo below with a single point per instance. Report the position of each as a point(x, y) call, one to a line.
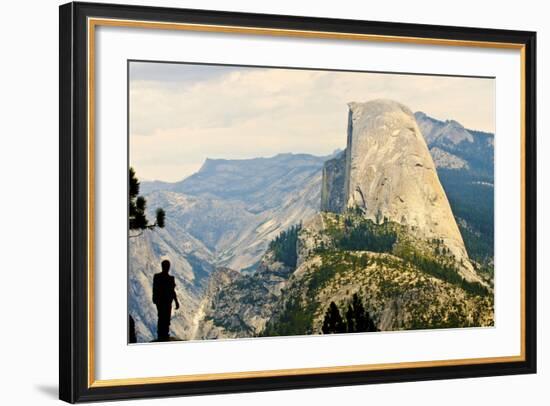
point(204, 111)
point(170, 73)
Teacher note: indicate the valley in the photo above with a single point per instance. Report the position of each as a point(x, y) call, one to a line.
point(402, 217)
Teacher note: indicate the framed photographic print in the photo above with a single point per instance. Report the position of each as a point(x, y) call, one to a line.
point(257, 202)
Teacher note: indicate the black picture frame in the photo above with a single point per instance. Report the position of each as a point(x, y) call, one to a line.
point(74, 384)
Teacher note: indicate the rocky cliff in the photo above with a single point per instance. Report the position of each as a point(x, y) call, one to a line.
point(240, 305)
point(224, 216)
point(404, 283)
point(389, 173)
point(191, 265)
point(332, 196)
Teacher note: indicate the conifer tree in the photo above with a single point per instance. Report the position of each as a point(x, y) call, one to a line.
point(333, 322)
point(284, 246)
point(137, 206)
point(359, 314)
point(350, 320)
point(358, 319)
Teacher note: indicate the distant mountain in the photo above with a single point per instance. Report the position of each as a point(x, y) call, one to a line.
point(474, 149)
point(247, 180)
point(465, 165)
point(225, 215)
point(235, 207)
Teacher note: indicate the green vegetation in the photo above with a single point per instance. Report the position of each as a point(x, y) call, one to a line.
point(422, 300)
point(394, 272)
point(472, 200)
point(353, 232)
point(487, 270)
point(295, 319)
point(440, 266)
point(451, 317)
point(334, 262)
point(298, 312)
point(357, 319)
point(284, 246)
point(479, 245)
point(333, 322)
point(361, 234)
point(367, 236)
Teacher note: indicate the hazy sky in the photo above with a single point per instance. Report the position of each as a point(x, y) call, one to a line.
point(181, 114)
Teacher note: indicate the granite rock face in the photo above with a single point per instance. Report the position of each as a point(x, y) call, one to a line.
point(332, 196)
point(389, 173)
point(444, 159)
point(239, 305)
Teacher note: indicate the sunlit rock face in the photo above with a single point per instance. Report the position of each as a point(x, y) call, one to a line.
point(389, 173)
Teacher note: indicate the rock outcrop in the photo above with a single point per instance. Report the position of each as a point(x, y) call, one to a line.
point(239, 305)
point(332, 196)
point(444, 159)
point(450, 131)
point(474, 148)
point(389, 173)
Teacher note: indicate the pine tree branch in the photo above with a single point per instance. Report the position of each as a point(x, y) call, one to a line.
point(147, 227)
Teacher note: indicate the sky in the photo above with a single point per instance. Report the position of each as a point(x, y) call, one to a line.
point(181, 114)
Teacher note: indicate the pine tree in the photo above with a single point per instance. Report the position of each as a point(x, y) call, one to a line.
point(350, 320)
point(284, 246)
point(137, 207)
point(333, 322)
point(359, 314)
point(358, 319)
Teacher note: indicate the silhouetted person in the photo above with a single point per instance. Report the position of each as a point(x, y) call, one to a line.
point(132, 338)
point(164, 293)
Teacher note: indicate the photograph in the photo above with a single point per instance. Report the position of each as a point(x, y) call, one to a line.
point(258, 201)
point(272, 201)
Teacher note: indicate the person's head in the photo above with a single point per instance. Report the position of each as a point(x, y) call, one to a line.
point(165, 266)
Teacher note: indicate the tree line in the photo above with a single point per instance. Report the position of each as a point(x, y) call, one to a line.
point(137, 205)
point(355, 320)
point(361, 234)
point(284, 246)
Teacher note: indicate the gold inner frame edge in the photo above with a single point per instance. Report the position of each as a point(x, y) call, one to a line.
point(92, 23)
